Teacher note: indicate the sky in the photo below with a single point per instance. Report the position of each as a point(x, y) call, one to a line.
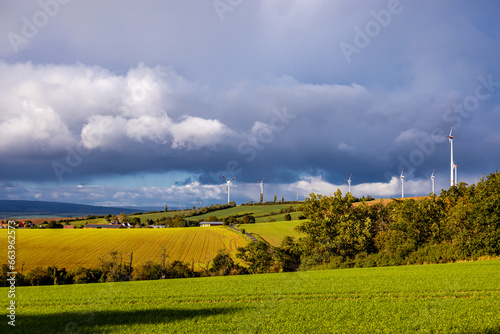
point(142, 103)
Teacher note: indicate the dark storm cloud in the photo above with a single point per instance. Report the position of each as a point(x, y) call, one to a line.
point(293, 91)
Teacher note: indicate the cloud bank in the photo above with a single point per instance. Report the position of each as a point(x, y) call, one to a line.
point(185, 93)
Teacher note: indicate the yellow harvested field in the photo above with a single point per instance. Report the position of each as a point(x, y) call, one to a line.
point(69, 248)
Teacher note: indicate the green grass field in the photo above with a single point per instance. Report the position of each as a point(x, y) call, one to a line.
point(154, 216)
point(273, 233)
point(143, 218)
point(83, 247)
point(445, 298)
point(254, 210)
point(278, 217)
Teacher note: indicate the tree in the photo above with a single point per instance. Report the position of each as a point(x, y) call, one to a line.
point(54, 224)
point(288, 255)
point(82, 275)
point(282, 198)
point(275, 199)
point(163, 257)
point(261, 198)
point(124, 218)
point(287, 217)
point(166, 207)
point(258, 255)
point(39, 276)
point(485, 217)
point(147, 271)
point(248, 219)
point(179, 269)
point(135, 221)
point(222, 263)
point(229, 220)
point(335, 228)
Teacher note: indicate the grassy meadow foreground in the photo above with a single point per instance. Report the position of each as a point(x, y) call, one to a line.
point(444, 298)
point(80, 247)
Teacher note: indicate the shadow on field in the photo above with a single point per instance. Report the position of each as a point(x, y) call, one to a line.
point(98, 321)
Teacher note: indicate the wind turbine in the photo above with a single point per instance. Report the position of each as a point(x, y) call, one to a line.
point(456, 174)
point(228, 187)
point(349, 182)
point(432, 180)
point(402, 183)
point(452, 164)
point(261, 187)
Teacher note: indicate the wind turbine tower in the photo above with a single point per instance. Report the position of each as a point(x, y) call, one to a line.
point(349, 182)
point(452, 164)
point(402, 183)
point(261, 183)
point(456, 174)
point(432, 180)
point(228, 187)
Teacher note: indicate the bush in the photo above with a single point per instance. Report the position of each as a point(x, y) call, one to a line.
point(248, 219)
point(39, 276)
point(147, 271)
point(54, 224)
point(222, 263)
point(288, 217)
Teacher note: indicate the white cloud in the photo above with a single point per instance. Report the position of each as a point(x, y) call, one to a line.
point(409, 136)
point(104, 109)
point(155, 129)
point(346, 147)
point(36, 127)
point(194, 132)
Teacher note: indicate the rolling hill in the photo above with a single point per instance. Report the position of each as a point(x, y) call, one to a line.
point(27, 209)
point(84, 247)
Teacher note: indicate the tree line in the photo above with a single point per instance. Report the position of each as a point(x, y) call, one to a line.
point(114, 267)
point(462, 223)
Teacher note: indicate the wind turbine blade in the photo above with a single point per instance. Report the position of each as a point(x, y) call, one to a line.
point(223, 177)
point(451, 129)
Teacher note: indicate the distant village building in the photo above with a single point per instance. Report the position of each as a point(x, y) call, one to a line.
point(208, 224)
point(158, 226)
point(69, 226)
